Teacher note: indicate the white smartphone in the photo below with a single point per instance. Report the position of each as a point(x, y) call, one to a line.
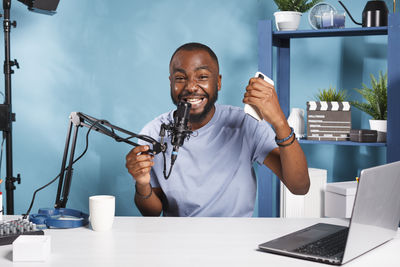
point(251, 110)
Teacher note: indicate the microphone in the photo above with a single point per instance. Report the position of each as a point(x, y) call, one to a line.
point(180, 129)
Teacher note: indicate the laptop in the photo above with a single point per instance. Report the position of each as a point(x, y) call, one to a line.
point(374, 221)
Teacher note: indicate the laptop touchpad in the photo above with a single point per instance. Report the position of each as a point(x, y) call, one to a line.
point(302, 237)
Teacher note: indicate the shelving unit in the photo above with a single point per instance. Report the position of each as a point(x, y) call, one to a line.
point(268, 198)
point(343, 143)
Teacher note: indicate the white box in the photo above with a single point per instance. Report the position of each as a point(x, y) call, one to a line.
point(1, 206)
point(339, 199)
point(310, 205)
point(314, 199)
point(31, 248)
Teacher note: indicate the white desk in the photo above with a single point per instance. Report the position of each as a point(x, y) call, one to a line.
point(189, 242)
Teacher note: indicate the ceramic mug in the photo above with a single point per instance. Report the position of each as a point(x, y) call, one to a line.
point(101, 212)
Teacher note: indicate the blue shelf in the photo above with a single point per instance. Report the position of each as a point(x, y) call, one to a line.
point(343, 143)
point(269, 40)
point(331, 32)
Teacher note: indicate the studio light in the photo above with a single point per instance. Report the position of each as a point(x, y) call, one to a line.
point(47, 7)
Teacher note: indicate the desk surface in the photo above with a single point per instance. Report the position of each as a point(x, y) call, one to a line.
point(138, 241)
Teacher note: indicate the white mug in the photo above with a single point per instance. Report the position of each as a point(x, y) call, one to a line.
point(101, 212)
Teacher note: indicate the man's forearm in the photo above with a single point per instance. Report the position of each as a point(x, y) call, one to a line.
point(288, 161)
point(147, 200)
point(294, 168)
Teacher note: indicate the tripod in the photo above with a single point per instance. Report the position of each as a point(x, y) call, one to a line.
point(47, 7)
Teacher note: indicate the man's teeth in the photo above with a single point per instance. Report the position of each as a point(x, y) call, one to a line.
point(194, 100)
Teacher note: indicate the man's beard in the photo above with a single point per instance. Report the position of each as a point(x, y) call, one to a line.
point(196, 118)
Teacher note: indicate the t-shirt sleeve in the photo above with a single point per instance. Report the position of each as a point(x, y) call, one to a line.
point(263, 139)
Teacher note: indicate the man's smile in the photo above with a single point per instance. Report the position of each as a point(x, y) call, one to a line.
point(196, 101)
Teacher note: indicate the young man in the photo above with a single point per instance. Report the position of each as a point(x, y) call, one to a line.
point(213, 175)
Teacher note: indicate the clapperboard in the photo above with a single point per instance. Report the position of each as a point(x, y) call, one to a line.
point(328, 121)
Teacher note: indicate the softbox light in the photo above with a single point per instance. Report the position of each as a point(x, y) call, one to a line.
point(47, 7)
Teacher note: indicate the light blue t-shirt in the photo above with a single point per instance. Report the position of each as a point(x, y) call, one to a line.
point(213, 174)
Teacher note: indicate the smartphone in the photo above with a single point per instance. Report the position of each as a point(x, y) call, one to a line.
point(252, 110)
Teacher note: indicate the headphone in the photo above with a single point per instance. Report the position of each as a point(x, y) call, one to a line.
point(59, 218)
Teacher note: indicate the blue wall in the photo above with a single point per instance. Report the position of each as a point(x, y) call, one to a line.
point(110, 60)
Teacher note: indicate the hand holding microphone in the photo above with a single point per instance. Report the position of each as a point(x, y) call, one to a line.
point(139, 162)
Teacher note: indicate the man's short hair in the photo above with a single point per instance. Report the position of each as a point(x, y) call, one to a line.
point(196, 46)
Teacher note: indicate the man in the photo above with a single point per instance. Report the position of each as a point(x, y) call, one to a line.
point(213, 174)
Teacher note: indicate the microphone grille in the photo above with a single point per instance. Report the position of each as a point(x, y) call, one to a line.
point(183, 109)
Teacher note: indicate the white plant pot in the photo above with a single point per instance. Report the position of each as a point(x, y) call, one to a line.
point(381, 127)
point(378, 125)
point(287, 20)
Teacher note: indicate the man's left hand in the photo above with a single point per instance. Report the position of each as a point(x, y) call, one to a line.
point(262, 95)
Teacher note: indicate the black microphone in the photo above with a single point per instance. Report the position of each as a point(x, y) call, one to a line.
point(180, 129)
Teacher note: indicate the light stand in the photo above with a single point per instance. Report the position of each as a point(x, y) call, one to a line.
point(6, 116)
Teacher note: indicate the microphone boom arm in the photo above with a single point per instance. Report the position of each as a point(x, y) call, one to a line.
point(78, 119)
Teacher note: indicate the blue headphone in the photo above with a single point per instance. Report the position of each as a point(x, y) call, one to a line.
point(47, 218)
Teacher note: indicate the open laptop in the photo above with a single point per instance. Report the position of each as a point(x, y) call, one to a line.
point(374, 221)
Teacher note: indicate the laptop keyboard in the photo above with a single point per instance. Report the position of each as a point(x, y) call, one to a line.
point(327, 246)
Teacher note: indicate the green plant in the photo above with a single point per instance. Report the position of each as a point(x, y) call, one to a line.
point(331, 94)
point(295, 5)
point(376, 98)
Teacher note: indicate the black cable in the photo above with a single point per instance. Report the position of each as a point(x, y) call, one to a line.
point(165, 167)
point(58, 176)
point(24, 216)
point(348, 13)
point(87, 143)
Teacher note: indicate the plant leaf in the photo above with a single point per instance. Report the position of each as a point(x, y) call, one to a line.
point(376, 97)
point(295, 5)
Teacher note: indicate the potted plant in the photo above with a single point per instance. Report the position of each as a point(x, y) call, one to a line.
point(329, 118)
point(288, 18)
point(331, 94)
point(376, 105)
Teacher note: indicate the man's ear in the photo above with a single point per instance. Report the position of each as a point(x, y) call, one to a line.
point(219, 82)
